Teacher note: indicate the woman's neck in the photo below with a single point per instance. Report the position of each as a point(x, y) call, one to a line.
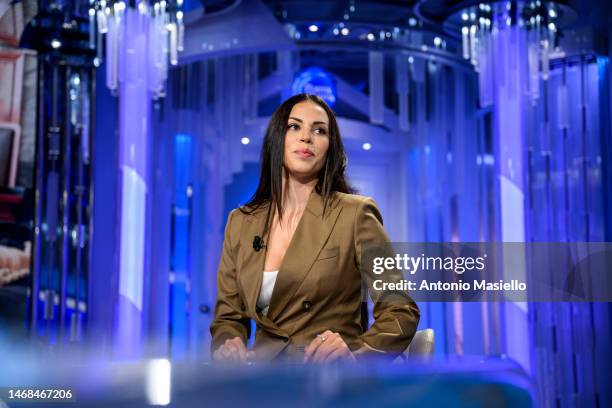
point(296, 193)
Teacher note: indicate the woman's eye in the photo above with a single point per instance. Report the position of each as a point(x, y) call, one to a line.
point(320, 131)
point(294, 126)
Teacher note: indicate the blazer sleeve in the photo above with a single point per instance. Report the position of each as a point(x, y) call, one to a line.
point(396, 315)
point(230, 320)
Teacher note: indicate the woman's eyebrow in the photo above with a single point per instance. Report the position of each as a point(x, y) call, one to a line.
point(314, 123)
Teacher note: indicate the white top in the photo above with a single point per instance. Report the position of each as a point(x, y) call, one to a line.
point(265, 294)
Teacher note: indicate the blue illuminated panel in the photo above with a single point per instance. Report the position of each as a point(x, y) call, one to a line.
point(180, 277)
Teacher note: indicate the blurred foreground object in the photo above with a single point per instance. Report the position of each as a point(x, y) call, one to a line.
point(457, 383)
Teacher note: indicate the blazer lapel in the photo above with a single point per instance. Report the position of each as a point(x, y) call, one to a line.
point(308, 239)
point(251, 262)
point(251, 266)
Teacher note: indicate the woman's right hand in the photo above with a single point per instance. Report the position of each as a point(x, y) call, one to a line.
point(233, 350)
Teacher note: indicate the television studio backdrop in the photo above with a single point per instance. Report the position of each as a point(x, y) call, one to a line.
point(130, 130)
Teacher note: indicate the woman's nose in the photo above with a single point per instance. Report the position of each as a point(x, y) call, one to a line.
point(305, 136)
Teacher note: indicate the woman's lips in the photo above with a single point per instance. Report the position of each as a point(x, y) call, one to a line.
point(304, 153)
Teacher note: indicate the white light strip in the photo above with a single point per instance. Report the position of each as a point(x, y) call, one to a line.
point(158, 382)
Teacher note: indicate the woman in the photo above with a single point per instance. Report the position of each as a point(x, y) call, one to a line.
point(291, 256)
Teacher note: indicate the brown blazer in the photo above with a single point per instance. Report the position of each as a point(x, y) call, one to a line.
point(318, 286)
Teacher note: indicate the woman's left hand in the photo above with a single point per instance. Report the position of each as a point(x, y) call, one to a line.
point(327, 347)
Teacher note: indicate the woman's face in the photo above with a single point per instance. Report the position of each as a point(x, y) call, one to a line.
point(306, 141)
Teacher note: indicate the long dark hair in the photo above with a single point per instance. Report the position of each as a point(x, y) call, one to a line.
point(331, 177)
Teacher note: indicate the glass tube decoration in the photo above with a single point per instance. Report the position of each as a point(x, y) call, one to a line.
point(532, 24)
point(164, 20)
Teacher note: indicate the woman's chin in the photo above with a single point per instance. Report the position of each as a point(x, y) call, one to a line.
point(303, 173)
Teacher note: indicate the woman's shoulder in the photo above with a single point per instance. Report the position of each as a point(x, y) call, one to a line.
point(243, 211)
point(353, 200)
point(237, 217)
point(359, 205)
